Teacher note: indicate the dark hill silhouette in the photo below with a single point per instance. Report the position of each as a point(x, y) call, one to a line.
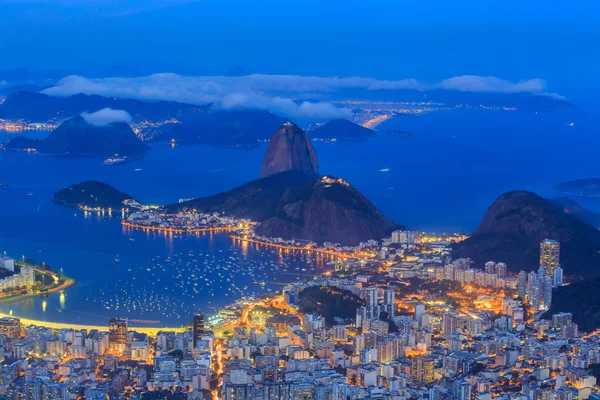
point(254, 200)
point(581, 299)
point(342, 130)
point(326, 209)
point(92, 194)
point(228, 128)
point(292, 202)
point(75, 136)
point(514, 226)
point(40, 107)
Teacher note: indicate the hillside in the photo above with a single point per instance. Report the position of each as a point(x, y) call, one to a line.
point(581, 187)
point(92, 194)
point(581, 299)
point(39, 107)
point(326, 209)
point(514, 226)
point(573, 208)
point(330, 302)
point(342, 130)
point(226, 128)
point(77, 137)
point(255, 200)
point(290, 201)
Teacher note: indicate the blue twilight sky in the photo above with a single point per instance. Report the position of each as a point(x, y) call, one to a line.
point(429, 40)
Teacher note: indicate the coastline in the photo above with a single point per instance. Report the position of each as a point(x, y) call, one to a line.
point(152, 331)
point(68, 282)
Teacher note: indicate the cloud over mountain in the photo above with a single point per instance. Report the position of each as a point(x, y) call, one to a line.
point(276, 93)
point(492, 84)
point(106, 116)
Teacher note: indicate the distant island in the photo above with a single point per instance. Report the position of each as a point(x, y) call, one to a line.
point(95, 195)
point(115, 142)
point(399, 133)
point(341, 130)
point(580, 187)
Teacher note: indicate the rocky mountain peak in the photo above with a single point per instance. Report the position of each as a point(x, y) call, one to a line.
point(290, 150)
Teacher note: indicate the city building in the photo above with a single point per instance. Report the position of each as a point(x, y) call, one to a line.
point(549, 256)
point(198, 328)
point(117, 336)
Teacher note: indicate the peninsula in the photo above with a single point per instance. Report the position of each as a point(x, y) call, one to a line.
point(291, 197)
point(95, 195)
point(580, 187)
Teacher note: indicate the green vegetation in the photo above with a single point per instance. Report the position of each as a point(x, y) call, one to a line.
point(92, 194)
point(330, 302)
point(580, 299)
point(594, 370)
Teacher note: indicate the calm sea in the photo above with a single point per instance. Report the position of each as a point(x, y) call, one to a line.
point(441, 179)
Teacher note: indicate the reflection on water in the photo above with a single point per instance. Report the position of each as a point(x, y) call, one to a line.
point(442, 179)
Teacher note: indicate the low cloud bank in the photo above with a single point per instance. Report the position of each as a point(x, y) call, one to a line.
point(275, 92)
point(106, 116)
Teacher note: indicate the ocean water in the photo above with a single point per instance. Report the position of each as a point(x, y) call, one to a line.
point(441, 179)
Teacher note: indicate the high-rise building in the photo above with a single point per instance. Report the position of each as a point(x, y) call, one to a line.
point(561, 319)
point(463, 390)
point(558, 276)
point(490, 267)
point(198, 328)
point(404, 237)
point(419, 311)
point(423, 369)
point(534, 291)
point(372, 296)
point(549, 256)
point(501, 270)
point(548, 284)
point(449, 322)
point(117, 334)
point(389, 301)
point(522, 285)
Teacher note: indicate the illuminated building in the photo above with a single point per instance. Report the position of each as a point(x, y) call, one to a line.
point(561, 319)
point(419, 311)
point(423, 369)
point(238, 391)
point(549, 256)
point(11, 327)
point(449, 320)
point(117, 334)
point(371, 296)
point(490, 267)
point(404, 237)
point(501, 269)
point(389, 301)
point(277, 390)
point(198, 328)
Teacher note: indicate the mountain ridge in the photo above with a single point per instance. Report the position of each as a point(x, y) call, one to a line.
point(76, 136)
point(516, 223)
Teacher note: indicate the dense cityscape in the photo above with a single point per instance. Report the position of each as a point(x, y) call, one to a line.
point(299, 200)
point(406, 323)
